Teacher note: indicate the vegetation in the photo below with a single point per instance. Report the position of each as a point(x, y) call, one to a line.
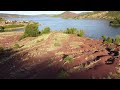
point(79, 33)
point(104, 38)
point(68, 59)
point(115, 22)
point(46, 30)
point(109, 40)
point(71, 31)
point(1, 19)
point(2, 29)
point(117, 40)
point(31, 30)
point(13, 26)
point(63, 75)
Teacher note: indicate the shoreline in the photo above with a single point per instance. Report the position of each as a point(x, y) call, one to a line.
point(13, 29)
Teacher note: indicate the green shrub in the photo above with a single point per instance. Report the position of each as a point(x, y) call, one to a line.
point(68, 59)
point(117, 40)
point(31, 30)
point(81, 33)
point(71, 31)
point(46, 30)
point(104, 38)
point(2, 29)
point(63, 75)
point(108, 41)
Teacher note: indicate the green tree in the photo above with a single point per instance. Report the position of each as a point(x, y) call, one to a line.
point(31, 30)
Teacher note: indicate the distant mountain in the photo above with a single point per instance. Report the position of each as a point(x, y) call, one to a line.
point(67, 14)
point(23, 16)
point(12, 15)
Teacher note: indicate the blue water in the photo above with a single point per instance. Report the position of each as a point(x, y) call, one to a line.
point(92, 28)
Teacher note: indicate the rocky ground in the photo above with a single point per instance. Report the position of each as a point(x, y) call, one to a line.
point(57, 55)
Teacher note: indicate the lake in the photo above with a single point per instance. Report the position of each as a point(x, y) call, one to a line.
point(92, 28)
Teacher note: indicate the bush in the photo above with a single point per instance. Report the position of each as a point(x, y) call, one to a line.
point(108, 40)
point(63, 75)
point(81, 33)
point(2, 29)
point(68, 59)
point(104, 38)
point(117, 40)
point(46, 30)
point(31, 30)
point(75, 31)
point(71, 31)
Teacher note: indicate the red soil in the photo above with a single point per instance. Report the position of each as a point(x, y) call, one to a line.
point(48, 65)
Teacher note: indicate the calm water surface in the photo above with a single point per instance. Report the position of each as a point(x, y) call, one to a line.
point(92, 28)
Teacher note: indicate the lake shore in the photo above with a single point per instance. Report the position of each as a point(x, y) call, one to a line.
point(14, 29)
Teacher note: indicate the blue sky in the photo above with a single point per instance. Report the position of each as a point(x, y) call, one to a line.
point(37, 12)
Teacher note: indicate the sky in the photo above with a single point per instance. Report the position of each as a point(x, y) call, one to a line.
point(37, 12)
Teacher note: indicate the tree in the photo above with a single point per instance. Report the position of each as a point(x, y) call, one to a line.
point(31, 30)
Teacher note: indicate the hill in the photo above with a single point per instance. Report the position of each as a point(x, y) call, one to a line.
point(91, 15)
point(67, 14)
point(12, 15)
point(55, 55)
point(100, 15)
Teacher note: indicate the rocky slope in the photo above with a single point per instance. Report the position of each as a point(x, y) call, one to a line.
point(56, 55)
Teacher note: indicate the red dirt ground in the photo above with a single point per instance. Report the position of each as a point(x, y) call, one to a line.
point(30, 63)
